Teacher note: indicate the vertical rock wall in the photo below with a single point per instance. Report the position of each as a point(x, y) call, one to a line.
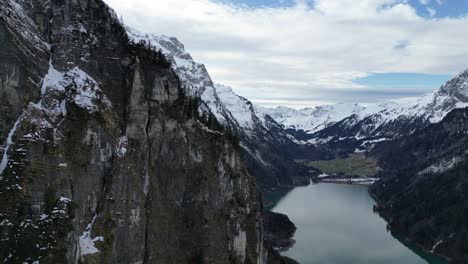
point(105, 161)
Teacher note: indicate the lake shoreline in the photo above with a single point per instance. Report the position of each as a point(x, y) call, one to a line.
point(279, 195)
point(404, 237)
point(325, 178)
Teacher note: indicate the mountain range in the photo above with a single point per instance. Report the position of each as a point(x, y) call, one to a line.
point(357, 126)
point(107, 155)
point(273, 138)
point(344, 123)
point(118, 147)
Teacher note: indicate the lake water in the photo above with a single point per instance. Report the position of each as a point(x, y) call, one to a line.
point(336, 225)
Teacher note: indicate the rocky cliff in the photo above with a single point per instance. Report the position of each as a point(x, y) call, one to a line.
point(105, 157)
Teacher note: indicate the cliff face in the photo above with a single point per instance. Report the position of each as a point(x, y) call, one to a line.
point(104, 158)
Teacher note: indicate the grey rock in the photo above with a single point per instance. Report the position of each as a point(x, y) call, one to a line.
point(106, 163)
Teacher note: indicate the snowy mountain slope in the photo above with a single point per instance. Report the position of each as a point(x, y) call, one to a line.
point(267, 146)
point(194, 76)
point(229, 108)
point(389, 120)
point(312, 119)
point(354, 124)
point(240, 108)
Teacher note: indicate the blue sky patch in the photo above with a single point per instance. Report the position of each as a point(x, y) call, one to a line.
point(427, 82)
point(442, 8)
point(424, 8)
point(259, 3)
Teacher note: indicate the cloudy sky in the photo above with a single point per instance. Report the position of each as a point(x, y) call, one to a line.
point(308, 52)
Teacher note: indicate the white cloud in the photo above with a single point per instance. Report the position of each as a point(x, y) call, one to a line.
point(432, 12)
point(424, 2)
point(304, 51)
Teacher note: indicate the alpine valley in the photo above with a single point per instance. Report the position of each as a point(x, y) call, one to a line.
point(117, 147)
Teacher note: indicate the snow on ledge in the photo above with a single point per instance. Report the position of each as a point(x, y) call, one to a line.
point(81, 88)
point(122, 147)
point(87, 246)
point(441, 166)
point(9, 142)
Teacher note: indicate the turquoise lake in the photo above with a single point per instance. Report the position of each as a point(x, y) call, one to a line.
point(336, 225)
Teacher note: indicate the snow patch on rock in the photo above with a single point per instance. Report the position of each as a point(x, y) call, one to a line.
point(442, 166)
point(122, 147)
point(135, 216)
point(436, 245)
point(9, 143)
point(87, 246)
point(240, 243)
point(85, 91)
point(80, 88)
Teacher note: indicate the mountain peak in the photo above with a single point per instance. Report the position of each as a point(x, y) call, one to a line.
point(168, 45)
point(456, 87)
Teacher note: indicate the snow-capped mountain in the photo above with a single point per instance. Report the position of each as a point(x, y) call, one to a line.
point(314, 119)
point(266, 144)
point(194, 76)
point(240, 108)
point(335, 124)
point(229, 108)
point(98, 142)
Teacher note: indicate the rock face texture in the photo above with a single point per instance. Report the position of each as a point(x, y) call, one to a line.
point(105, 158)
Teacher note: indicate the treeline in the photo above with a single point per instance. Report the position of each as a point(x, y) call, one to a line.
point(428, 207)
point(144, 49)
point(191, 105)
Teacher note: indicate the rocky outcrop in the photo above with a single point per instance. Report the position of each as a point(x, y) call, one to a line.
point(276, 258)
point(104, 158)
point(279, 233)
point(279, 230)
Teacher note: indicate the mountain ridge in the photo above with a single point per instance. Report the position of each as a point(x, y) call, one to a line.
point(351, 125)
point(267, 148)
point(422, 194)
point(105, 158)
